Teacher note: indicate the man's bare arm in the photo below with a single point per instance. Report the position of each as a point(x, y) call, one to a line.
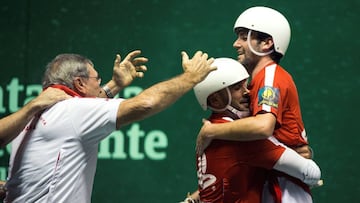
point(256, 127)
point(163, 94)
point(12, 125)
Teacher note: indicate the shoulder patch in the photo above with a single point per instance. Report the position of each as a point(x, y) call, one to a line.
point(268, 96)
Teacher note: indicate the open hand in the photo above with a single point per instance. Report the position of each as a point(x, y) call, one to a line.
point(130, 68)
point(199, 66)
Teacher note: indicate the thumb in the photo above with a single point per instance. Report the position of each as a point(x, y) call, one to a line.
point(117, 59)
point(184, 55)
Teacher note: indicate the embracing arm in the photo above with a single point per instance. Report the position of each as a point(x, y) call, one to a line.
point(13, 124)
point(256, 127)
point(299, 167)
point(260, 126)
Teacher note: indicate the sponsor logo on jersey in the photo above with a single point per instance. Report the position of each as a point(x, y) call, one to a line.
point(268, 96)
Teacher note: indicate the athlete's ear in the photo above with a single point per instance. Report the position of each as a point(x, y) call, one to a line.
point(79, 85)
point(267, 44)
point(215, 100)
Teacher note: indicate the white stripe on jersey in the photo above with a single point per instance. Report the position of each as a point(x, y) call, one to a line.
point(269, 81)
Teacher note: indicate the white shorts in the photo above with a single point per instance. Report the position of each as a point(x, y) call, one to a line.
point(291, 193)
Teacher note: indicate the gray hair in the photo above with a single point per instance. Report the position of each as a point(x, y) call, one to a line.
point(63, 68)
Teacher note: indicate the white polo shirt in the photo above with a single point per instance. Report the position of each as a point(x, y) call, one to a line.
point(57, 162)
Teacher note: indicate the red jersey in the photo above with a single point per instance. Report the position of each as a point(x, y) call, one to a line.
point(234, 172)
point(273, 90)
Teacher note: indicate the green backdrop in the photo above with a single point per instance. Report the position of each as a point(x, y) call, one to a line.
point(153, 160)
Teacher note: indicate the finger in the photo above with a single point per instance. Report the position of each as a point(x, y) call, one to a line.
point(212, 68)
point(139, 60)
point(139, 74)
point(204, 56)
point(132, 55)
point(117, 59)
point(141, 68)
point(198, 54)
point(185, 56)
point(210, 60)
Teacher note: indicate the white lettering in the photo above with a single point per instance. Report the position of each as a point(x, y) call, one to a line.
point(119, 144)
point(135, 145)
point(2, 108)
point(32, 90)
point(204, 180)
point(114, 146)
point(14, 88)
point(132, 91)
point(134, 134)
point(3, 173)
point(156, 139)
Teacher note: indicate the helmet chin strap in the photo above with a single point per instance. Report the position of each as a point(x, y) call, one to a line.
point(229, 102)
point(240, 114)
point(253, 50)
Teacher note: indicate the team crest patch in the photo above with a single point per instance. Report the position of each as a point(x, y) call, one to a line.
point(268, 96)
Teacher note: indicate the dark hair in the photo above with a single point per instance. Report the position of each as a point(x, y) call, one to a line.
point(261, 36)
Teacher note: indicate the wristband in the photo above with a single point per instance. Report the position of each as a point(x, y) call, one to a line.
point(107, 91)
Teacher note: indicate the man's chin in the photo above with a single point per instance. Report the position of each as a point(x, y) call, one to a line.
point(240, 58)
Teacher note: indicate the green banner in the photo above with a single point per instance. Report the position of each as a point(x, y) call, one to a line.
point(154, 160)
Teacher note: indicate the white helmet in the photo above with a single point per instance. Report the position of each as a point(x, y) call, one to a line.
point(228, 72)
point(269, 21)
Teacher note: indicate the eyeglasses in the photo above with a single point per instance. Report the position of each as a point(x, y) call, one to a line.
point(98, 78)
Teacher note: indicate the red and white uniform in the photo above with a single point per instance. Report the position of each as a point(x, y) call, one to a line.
point(55, 161)
point(273, 90)
point(230, 171)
